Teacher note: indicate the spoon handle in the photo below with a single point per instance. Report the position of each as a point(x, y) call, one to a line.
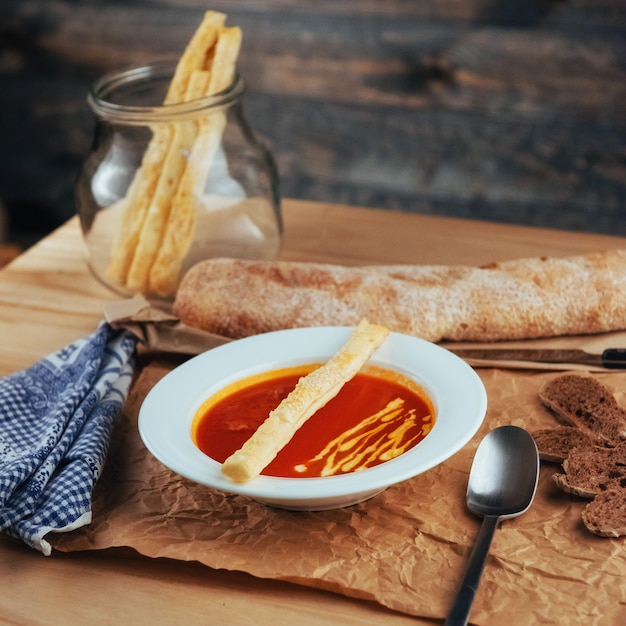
point(460, 612)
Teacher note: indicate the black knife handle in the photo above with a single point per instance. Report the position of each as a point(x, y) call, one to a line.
point(614, 358)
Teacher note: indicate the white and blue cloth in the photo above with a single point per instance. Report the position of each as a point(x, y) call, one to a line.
point(56, 420)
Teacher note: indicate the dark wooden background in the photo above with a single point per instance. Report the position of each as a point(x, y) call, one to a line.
point(505, 110)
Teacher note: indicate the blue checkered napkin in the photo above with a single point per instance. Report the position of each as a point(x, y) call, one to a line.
point(56, 419)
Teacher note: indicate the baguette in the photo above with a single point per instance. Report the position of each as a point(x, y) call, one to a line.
point(524, 298)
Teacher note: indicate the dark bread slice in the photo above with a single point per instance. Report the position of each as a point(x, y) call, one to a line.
point(586, 403)
point(554, 444)
point(593, 470)
point(591, 447)
point(605, 515)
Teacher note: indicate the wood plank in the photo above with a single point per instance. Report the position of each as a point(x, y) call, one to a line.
point(77, 588)
point(495, 110)
point(543, 172)
point(356, 236)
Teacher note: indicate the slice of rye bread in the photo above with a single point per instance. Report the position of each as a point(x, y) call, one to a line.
point(605, 515)
point(586, 403)
point(592, 470)
point(554, 444)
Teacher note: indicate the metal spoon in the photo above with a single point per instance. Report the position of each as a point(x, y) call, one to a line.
point(502, 484)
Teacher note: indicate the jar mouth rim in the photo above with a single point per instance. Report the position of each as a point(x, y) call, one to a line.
point(101, 103)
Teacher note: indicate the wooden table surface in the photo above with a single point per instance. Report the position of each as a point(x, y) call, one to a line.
point(48, 298)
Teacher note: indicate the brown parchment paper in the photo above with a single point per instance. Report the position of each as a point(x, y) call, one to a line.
point(406, 548)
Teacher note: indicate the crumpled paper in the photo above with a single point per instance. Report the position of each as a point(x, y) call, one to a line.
point(406, 548)
point(156, 329)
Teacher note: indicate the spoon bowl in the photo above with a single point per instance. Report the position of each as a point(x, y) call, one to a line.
point(503, 478)
point(502, 485)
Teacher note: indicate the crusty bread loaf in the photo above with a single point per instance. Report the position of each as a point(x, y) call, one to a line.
point(554, 444)
point(593, 470)
point(605, 515)
point(535, 297)
point(584, 402)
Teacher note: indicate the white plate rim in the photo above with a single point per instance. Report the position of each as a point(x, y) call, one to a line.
point(167, 411)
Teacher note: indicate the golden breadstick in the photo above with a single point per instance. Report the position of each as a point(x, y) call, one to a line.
point(179, 233)
point(144, 184)
point(171, 171)
point(196, 56)
point(165, 271)
point(311, 393)
point(137, 202)
point(224, 61)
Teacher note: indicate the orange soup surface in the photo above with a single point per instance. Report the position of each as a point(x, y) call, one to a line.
point(376, 416)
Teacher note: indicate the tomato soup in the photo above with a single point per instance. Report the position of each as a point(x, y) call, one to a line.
point(376, 416)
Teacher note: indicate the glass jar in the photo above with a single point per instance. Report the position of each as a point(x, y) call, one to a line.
point(166, 186)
